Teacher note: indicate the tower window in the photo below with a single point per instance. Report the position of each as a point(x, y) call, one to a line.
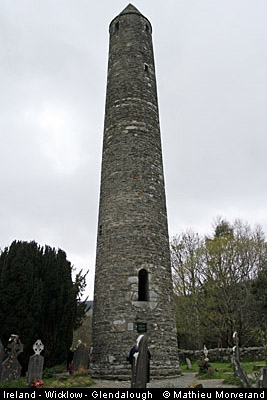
point(146, 68)
point(147, 28)
point(142, 285)
point(100, 230)
point(117, 26)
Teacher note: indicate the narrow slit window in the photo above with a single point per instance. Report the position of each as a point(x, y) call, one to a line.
point(142, 285)
point(146, 68)
point(100, 230)
point(147, 28)
point(117, 26)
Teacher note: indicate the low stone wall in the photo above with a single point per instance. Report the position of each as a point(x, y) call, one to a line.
point(225, 354)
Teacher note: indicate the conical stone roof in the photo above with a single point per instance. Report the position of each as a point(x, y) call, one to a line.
point(130, 9)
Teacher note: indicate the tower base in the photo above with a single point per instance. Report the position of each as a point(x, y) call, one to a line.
point(122, 372)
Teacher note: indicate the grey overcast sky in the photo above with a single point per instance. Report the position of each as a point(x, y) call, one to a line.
point(211, 66)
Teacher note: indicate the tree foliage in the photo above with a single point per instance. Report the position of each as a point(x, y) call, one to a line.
point(219, 284)
point(39, 300)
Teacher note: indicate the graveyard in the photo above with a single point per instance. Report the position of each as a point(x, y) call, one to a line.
point(185, 313)
point(36, 377)
point(38, 363)
point(199, 374)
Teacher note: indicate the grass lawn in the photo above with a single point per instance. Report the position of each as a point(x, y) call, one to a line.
point(66, 381)
point(224, 371)
point(58, 379)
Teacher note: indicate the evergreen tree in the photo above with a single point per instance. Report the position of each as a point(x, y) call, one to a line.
point(38, 299)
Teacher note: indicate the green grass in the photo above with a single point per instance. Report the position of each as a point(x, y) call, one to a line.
point(250, 367)
point(66, 381)
point(57, 380)
point(19, 384)
point(184, 369)
point(58, 369)
point(232, 380)
point(224, 371)
point(224, 366)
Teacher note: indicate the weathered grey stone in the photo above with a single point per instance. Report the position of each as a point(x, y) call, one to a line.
point(223, 354)
point(35, 368)
point(36, 363)
point(133, 281)
point(11, 368)
point(80, 359)
point(140, 370)
point(262, 381)
point(238, 368)
point(188, 363)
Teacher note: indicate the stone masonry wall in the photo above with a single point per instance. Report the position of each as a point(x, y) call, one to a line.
point(132, 221)
point(223, 354)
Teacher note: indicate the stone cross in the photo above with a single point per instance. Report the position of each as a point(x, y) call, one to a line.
point(36, 363)
point(238, 368)
point(38, 347)
point(80, 359)
point(1, 358)
point(140, 364)
point(11, 368)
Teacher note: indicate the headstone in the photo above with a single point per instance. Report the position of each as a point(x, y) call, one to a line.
point(188, 363)
point(262, 381)
point(80, 359)
point(11, 368)
point(264, 378)
point(140, 368)
point(238, 368)
point(1, 358)
point(36, 363)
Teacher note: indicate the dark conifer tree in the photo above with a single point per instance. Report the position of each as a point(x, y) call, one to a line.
point(59, 305)
point(38, 299)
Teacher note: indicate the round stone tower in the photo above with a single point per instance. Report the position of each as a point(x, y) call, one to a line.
point(133, 285)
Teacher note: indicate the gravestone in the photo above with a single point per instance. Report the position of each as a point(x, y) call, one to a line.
point(262, 381)
point(238, 368)
point(11, 368)
point(188, 363)
point(36, 363)
point(80, 359)
point(140, 368)
point(1, 358)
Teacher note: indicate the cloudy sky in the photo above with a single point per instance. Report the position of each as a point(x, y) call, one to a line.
point(211, 65)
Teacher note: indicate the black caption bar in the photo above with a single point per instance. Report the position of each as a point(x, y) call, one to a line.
point(132, 394)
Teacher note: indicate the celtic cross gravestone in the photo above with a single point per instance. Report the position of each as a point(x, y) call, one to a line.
point(36, 363)
point(11, 368)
